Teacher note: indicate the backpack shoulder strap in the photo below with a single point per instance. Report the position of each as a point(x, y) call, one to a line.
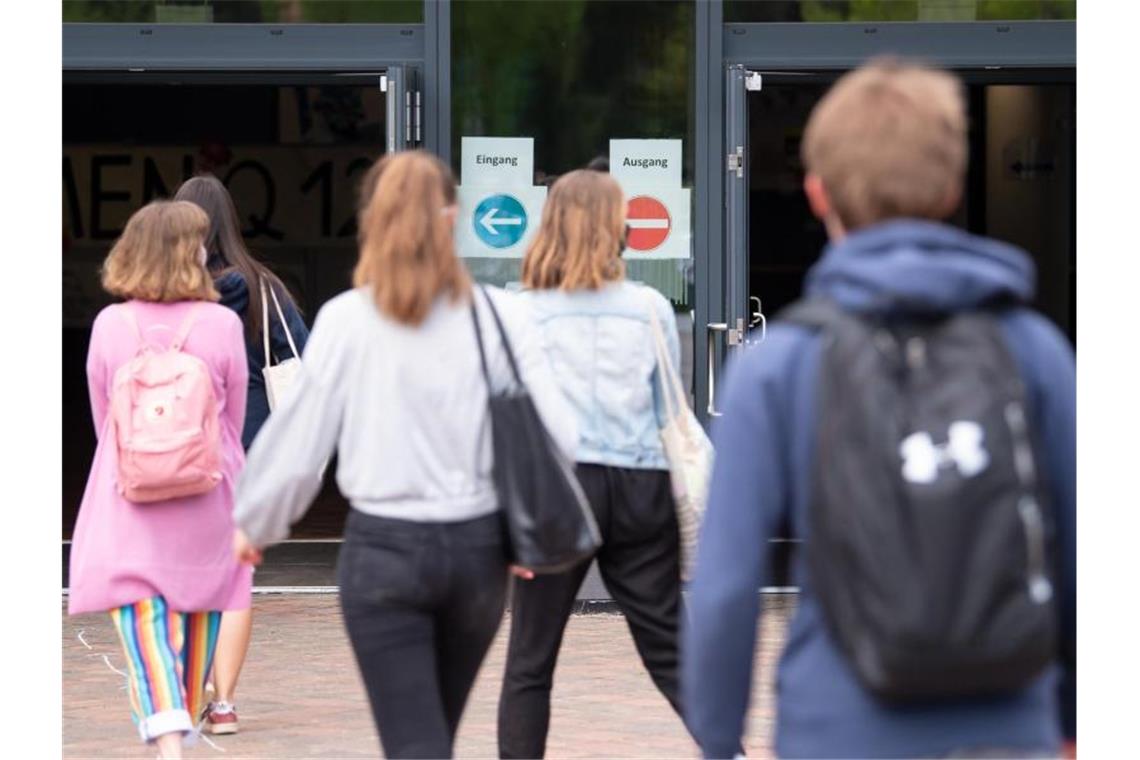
point(813, 313)
point(130, 318)
point(184, 330)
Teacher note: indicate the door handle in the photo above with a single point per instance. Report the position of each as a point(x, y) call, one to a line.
point(713, 328)
point(758, 318)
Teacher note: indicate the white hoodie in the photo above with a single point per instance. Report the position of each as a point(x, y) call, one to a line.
point(404, 407)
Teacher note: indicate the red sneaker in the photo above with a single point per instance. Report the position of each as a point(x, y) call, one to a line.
point(221, 718)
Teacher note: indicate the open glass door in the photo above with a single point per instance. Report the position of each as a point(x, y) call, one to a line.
point(291, 150)
point(1020, 183)
point(1021, 94)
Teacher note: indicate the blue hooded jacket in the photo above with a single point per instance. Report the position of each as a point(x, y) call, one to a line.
point(764, 444)
point(234, 290)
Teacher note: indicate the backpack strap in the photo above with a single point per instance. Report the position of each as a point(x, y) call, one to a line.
point(813, 313)
point(132, 321)
point(184, 330)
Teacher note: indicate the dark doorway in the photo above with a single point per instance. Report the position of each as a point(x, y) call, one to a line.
point(1020, 187)
point(291, 155)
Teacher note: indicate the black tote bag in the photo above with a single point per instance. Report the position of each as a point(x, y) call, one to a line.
point(549, 522)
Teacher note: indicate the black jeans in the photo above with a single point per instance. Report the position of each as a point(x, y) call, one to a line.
point(422, 602)
point(641, 569)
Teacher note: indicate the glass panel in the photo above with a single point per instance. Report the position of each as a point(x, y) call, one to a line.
point(740, 11)
point(572, 75)
point(291, 156)
point(1020, 187)
point(244, 11)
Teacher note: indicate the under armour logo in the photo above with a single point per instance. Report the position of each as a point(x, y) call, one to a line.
point(922, 458)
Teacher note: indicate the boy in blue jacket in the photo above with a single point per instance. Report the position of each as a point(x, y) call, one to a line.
point(885, 155)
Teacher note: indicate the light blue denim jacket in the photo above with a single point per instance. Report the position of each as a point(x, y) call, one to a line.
point(600, 347)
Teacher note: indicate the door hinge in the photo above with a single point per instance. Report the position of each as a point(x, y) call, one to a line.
point(383, 83)
point(408, 117)
point(736, 161)
point(419, 118)
point(753, 81)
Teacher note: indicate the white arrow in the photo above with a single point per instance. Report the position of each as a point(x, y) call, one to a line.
point(489, 220)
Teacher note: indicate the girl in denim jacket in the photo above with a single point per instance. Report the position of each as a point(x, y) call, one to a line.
point(595, 330)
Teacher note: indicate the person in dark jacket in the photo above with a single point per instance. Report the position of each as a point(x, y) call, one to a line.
point(241, 281)
point(885, 153)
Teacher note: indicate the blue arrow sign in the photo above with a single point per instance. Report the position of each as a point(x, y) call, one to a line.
point(500, 221)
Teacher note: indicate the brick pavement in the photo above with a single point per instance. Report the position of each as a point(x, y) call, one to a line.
point(300, 696)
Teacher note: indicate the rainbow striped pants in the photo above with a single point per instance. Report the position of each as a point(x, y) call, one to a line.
point(169, 654)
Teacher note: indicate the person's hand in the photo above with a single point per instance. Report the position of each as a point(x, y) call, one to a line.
point(245, 552)
point(1069, 750)
point(522, 572)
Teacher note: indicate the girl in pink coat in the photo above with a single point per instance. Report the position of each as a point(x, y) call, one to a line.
point(164, 570)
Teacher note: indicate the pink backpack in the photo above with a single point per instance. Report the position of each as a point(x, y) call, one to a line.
point(165, 418)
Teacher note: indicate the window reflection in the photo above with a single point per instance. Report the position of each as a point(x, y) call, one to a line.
point(574, 74)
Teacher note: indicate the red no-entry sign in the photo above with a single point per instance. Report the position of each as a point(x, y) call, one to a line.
point(649, 223)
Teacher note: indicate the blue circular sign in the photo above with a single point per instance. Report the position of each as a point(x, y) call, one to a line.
point(500, 221)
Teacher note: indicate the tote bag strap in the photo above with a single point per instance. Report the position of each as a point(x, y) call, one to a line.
point(502, 337)
point(479, 342)
point(265, 322)
point(671, 389)
point(284, 324)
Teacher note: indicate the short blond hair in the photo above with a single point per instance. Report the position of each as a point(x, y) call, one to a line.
point(159, 255)
point(889, 140)
point(407, 252)
point(578, 245)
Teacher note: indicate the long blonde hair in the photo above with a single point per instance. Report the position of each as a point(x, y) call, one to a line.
point(578, 245)
point(407, 254)
point(159, 255)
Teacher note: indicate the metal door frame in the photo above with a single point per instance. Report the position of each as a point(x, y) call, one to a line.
point(392, 54)
point(783, 52)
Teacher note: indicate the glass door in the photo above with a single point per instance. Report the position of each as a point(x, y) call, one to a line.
point(1020, 79)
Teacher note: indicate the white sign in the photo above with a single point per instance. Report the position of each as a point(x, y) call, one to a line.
point(658, 208)
point(497, 161)
point(499, 205)
point(638, 163)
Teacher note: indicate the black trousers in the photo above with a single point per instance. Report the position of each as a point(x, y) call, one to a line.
point(640, 566)
point(421, 602)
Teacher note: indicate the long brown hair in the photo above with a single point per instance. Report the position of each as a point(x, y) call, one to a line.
point(578, 245)
point(158, 256)
point(407, 253)
point(224, 243)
